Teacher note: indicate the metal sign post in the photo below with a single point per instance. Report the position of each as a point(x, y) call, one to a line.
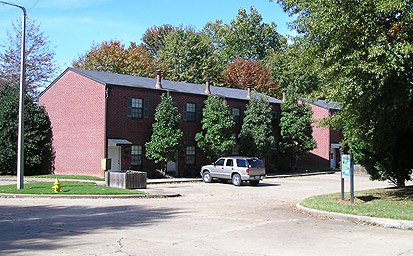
point(347, 171)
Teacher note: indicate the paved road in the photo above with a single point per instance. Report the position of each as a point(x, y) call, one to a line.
point(209, 219)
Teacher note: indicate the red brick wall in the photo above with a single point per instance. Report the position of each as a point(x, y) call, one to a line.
point(318, 157)
point(76, 107)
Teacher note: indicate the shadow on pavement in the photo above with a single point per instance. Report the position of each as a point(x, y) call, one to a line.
point(267, 185)
point(27, 228)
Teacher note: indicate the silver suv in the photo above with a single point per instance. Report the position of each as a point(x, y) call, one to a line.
point(236, 169)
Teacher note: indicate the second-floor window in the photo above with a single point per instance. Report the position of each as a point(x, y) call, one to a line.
point(138, 108)
point(192, 112)
point(236, 113)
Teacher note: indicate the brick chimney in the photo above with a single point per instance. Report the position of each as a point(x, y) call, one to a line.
point(158, 79)
point(207, 86)
point(249, 87)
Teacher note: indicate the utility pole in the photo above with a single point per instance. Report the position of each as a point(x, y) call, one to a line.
point(20, 142)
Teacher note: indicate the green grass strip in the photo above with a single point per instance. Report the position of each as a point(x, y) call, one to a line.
point(68, 188)
point(63, 176)
point(391, 203)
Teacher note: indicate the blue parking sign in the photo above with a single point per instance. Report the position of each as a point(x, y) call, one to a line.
point(346, 166)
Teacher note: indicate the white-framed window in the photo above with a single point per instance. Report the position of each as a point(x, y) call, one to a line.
point(236, 113)
point(190, 109)
point(137, 108)
point(190, 155)
point(136, 155)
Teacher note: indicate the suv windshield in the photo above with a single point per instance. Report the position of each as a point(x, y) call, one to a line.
point(220, 162)
point(255, 163)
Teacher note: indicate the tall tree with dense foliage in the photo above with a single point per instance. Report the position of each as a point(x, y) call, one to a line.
point(293, 67)
point(365, 50)
point(247, 36)
point(154, 38)
point(187, 56)
point(113, 56)
point(256, 137)
point(40, 63)
point(216, 138)
point(296, 138)
point(242, 72)
point(166, 136)
point(37, 133)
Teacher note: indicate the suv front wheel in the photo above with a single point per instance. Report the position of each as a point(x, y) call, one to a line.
point(206, 176)
point(236, 179)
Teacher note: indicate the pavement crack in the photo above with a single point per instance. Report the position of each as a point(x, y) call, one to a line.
point(120, 247)
point(405, 252)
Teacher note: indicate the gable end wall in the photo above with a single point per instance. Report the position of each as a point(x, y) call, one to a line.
point(76, 108)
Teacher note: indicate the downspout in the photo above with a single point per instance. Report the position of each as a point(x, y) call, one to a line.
point(106, 122)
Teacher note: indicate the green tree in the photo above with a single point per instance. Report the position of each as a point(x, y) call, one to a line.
point(246, 37)
point(256, 137)
point(187, 56)
point(293, 67)
point(154, 38)
point(113, 56)
point(365, 53)
point(295, 129)
point(37, 133)
point(166, 136)
point(40, 63)
point(217, 138)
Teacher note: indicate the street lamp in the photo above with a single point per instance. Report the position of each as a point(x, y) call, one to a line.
point(20, 142)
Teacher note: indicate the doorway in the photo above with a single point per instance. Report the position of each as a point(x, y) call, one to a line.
point(114, 153)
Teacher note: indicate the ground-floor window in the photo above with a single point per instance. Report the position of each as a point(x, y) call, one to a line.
point(190, 155)
point(136, 155)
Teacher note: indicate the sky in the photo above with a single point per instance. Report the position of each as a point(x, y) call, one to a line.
point(73, 26)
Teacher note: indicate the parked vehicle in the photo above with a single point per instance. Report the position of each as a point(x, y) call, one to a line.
point(235, 168)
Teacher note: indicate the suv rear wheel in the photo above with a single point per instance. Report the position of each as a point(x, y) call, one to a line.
point(236, 179)
point(206, 176)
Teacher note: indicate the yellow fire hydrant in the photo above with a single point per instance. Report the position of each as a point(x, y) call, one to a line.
point(56, 186)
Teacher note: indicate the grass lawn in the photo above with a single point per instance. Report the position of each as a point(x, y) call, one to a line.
point(389, 203)
point(63, 176)
point(68, 188)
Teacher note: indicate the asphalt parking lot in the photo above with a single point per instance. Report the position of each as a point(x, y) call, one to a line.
point(209, 219)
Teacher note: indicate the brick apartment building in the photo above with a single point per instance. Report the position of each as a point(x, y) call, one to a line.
point(96, 115)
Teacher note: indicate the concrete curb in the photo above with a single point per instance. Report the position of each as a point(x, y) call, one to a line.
point(52, 196)
point(388, 223)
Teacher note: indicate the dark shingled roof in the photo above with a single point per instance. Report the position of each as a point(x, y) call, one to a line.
point(330, 105)
point(149, 83)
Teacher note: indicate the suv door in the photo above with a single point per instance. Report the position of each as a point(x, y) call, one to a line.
point(228, 168)
point(218, 169)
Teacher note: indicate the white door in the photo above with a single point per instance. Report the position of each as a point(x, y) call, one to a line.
point(114, 154)
point(333, 158)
